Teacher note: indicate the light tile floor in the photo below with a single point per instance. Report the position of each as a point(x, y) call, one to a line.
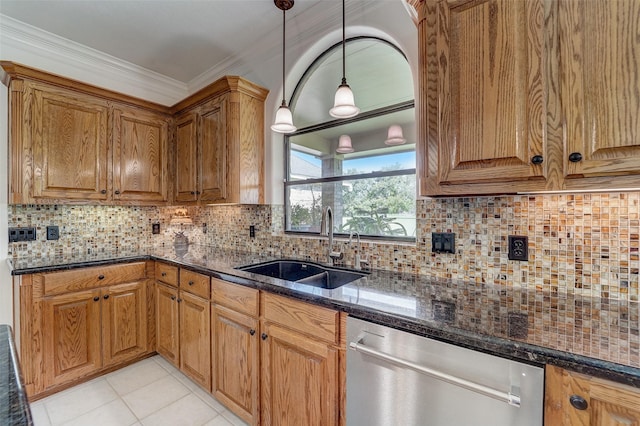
point(149, 392)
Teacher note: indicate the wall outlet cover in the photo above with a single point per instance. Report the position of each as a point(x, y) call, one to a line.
point(518, 247)
point(22, 234)
point(155, 228)
point(53, 232)
point(443, 242)
point(252, 231)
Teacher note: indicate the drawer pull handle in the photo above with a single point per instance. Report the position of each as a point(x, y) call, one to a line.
point(101, 277)
point(578, 402)
point(264, 336)
point(117, 192)
point(164, 274)
point(537, 159)
point(191, 282)
point(106, 296)
point(96, 298)
point(104, 191)
point(252, 332)
point(575, 157)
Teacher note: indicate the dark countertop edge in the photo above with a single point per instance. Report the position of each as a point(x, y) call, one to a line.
point(510, 349)
point(22, 413)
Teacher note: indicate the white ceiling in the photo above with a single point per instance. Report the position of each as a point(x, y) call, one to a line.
point(191, 41)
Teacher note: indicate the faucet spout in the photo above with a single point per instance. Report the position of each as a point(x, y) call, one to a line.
point(326, 229)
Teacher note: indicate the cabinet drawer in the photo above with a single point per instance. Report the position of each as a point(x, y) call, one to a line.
point(235, 297)
point(313, 320)
point(167, 274)
point(195, 283)
point(86, 278)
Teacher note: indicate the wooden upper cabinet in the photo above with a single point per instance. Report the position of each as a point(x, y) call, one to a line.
point(223, 127)
point(186, 159)
point(213, 152)
point(483, 95)
point(69, 145)
point(140, 149)
point(600, 81)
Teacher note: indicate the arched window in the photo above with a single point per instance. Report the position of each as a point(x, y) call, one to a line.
point(372, 189)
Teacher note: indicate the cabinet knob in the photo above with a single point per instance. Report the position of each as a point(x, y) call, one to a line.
point(193, 192)
point(117, 192)
point(575, 157)
point(104, 191)
point(179, 300)
point(164, 274)
point(578, 402)
point(191, 282)
point(264, 336)
point(96, 298)
point(101, 277)
point(106, 296)
point(537, 159)
point(252, 332)
point(173, 298)
point(197, 192)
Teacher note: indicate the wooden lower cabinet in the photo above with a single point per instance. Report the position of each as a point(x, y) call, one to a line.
point(71, 333)
point(599, 402)
point(299, 379)
point(124, 322)
point(167, 320)
point(195, 338)
point(235, 361)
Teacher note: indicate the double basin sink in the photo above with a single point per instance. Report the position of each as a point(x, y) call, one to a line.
point(304, 272)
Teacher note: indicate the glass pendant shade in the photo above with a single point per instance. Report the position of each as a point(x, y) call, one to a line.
point(344, 145)
point(344, 105)
point(284, 120)
point(395, 136)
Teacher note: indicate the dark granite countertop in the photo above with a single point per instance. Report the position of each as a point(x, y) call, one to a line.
point(14, 406)
point(580, 333)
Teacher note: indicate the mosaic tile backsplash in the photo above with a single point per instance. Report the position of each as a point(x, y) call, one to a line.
point(581, 247)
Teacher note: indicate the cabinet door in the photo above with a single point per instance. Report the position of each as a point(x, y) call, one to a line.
point(124, 322)
point(167, 337)
point(485, 86)
point(299, 379)
point(213, 152)
point(69, 145)
point(600, 80)
point(195, 338)
point(71, 330)
point(607, 403)
point(186, 159)
point(234, 351)
point(140, 168)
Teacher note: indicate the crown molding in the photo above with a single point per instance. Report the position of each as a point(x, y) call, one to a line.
point(41, 49)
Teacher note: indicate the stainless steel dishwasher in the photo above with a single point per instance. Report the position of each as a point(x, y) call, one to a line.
point(401, 379)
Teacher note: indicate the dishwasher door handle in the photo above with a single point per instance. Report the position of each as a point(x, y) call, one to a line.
point(511, 398)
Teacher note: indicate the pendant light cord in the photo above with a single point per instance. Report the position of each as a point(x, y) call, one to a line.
point(344, 67)
point(284, 23)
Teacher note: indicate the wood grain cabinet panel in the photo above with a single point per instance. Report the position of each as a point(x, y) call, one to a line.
point(299, 379)
point(124, 322)
point(186, 159)
point(605, 403)
point(69, 133)
point(600, 80)
point(72, 336)
point(167, 323)
point(195, 338)
point(212, 134)
point(235, 361)
point(140, 151)
point(483, 100)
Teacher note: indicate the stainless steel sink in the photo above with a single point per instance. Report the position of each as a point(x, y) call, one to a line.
point(305, 273)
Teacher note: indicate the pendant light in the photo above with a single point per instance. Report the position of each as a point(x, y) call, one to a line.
point(284, 119)
point(344, 105)
point(394, 136)
point(344, 145)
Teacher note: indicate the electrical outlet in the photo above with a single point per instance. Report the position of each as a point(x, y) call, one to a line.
point(518, 247)
point(155, 228)
point(443, 242)
point(53, 233)
point(252, 231)
point(22, 234)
